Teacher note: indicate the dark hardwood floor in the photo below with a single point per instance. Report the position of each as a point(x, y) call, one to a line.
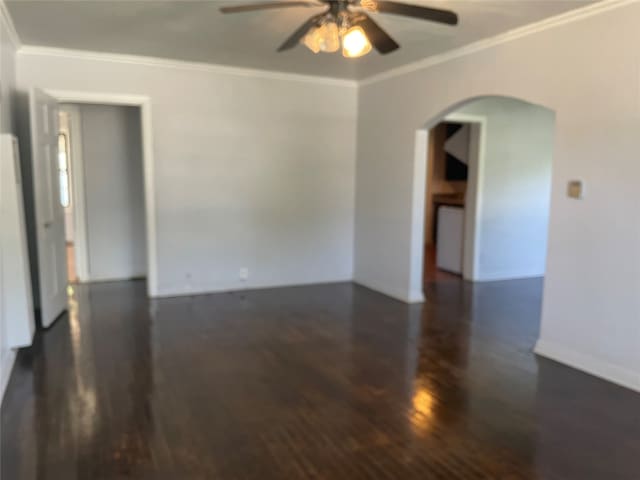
point(320, 382)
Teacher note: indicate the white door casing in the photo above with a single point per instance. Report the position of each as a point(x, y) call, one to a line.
point(49, 213)
point(71, 96)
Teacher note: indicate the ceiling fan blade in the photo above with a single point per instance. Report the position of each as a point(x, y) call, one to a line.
point(266, 6)
point(295, 38)
point(380, 39)
point(413, 11)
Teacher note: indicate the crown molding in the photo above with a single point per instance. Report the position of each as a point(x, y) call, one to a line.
point(526, 30)
point(578, 14)
point(5, 18)
point(33, 50)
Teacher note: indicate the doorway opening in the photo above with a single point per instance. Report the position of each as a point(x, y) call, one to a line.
point(93, 171)
point(487, 191)
point(450, 150)
point(102, 191)
point(65, 182)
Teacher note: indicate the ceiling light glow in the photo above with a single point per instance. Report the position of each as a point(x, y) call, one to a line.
point(329, 35)
point(355, 43)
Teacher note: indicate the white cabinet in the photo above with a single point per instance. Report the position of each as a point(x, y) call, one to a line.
point(450, 239)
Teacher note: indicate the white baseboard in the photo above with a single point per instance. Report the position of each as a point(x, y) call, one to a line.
point(170, 291)
point(589, 364)
point(504, 276)
point(416, 297)
point(8, 359)
point(116, 278)
point(402, 295)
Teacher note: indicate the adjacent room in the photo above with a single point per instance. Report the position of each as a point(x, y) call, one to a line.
point(100, 169)
point(324, 239)
point(487, 191)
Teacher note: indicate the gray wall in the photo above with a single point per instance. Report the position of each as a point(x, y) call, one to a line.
point(114, 191)
point(515, 188)
point(591, 304)
point(250, 171)
point(7, 80)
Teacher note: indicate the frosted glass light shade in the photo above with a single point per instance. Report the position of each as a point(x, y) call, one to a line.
point(355, 43)
point(312, 40)
point(323, 38)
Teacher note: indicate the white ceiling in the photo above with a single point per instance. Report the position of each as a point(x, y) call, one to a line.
point(196, 31)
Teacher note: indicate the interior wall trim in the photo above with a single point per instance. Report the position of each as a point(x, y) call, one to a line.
point(78, 195)
point(473, 209)
point(33, 50)
point(416, 296)
point(589, 364)
point(548, 23)
point(6, 367)
point(514, 34)
point(144, 103)
point(5, 17)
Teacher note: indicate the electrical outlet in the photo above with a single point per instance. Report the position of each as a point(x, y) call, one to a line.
point(243, 274)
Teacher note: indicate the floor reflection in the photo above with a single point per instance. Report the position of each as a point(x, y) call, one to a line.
point(92, 378)
point(84, 403)
point(423, 403)
point(327, 381)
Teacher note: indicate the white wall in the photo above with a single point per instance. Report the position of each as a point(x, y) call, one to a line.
point(114, 191)
point(515, 188)
point(7, 78)
point(588, 72)
point(7, 125)
point(251, 170)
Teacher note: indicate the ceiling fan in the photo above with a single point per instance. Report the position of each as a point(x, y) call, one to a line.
point(346, 23)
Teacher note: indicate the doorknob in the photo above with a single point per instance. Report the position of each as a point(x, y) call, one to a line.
point(47, 224)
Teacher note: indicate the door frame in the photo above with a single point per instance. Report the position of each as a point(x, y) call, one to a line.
point(144, 103)
point(80, 242)
point(471, 252)
point(474, 195)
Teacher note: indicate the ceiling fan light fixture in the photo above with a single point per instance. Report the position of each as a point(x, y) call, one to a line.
point(355, 43)
point(312, 40)
point(339, 25)
point(329, 37)
point(323, 38)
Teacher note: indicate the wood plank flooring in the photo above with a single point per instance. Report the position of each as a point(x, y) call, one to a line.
point(320, 382)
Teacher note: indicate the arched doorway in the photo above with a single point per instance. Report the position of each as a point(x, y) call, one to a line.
point(486, 183)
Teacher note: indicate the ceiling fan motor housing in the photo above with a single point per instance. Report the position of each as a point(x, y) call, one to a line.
point(340, 13)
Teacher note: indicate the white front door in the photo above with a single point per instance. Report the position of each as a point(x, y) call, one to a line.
point(52, 272)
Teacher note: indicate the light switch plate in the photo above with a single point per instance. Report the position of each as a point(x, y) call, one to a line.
point(575, 189)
